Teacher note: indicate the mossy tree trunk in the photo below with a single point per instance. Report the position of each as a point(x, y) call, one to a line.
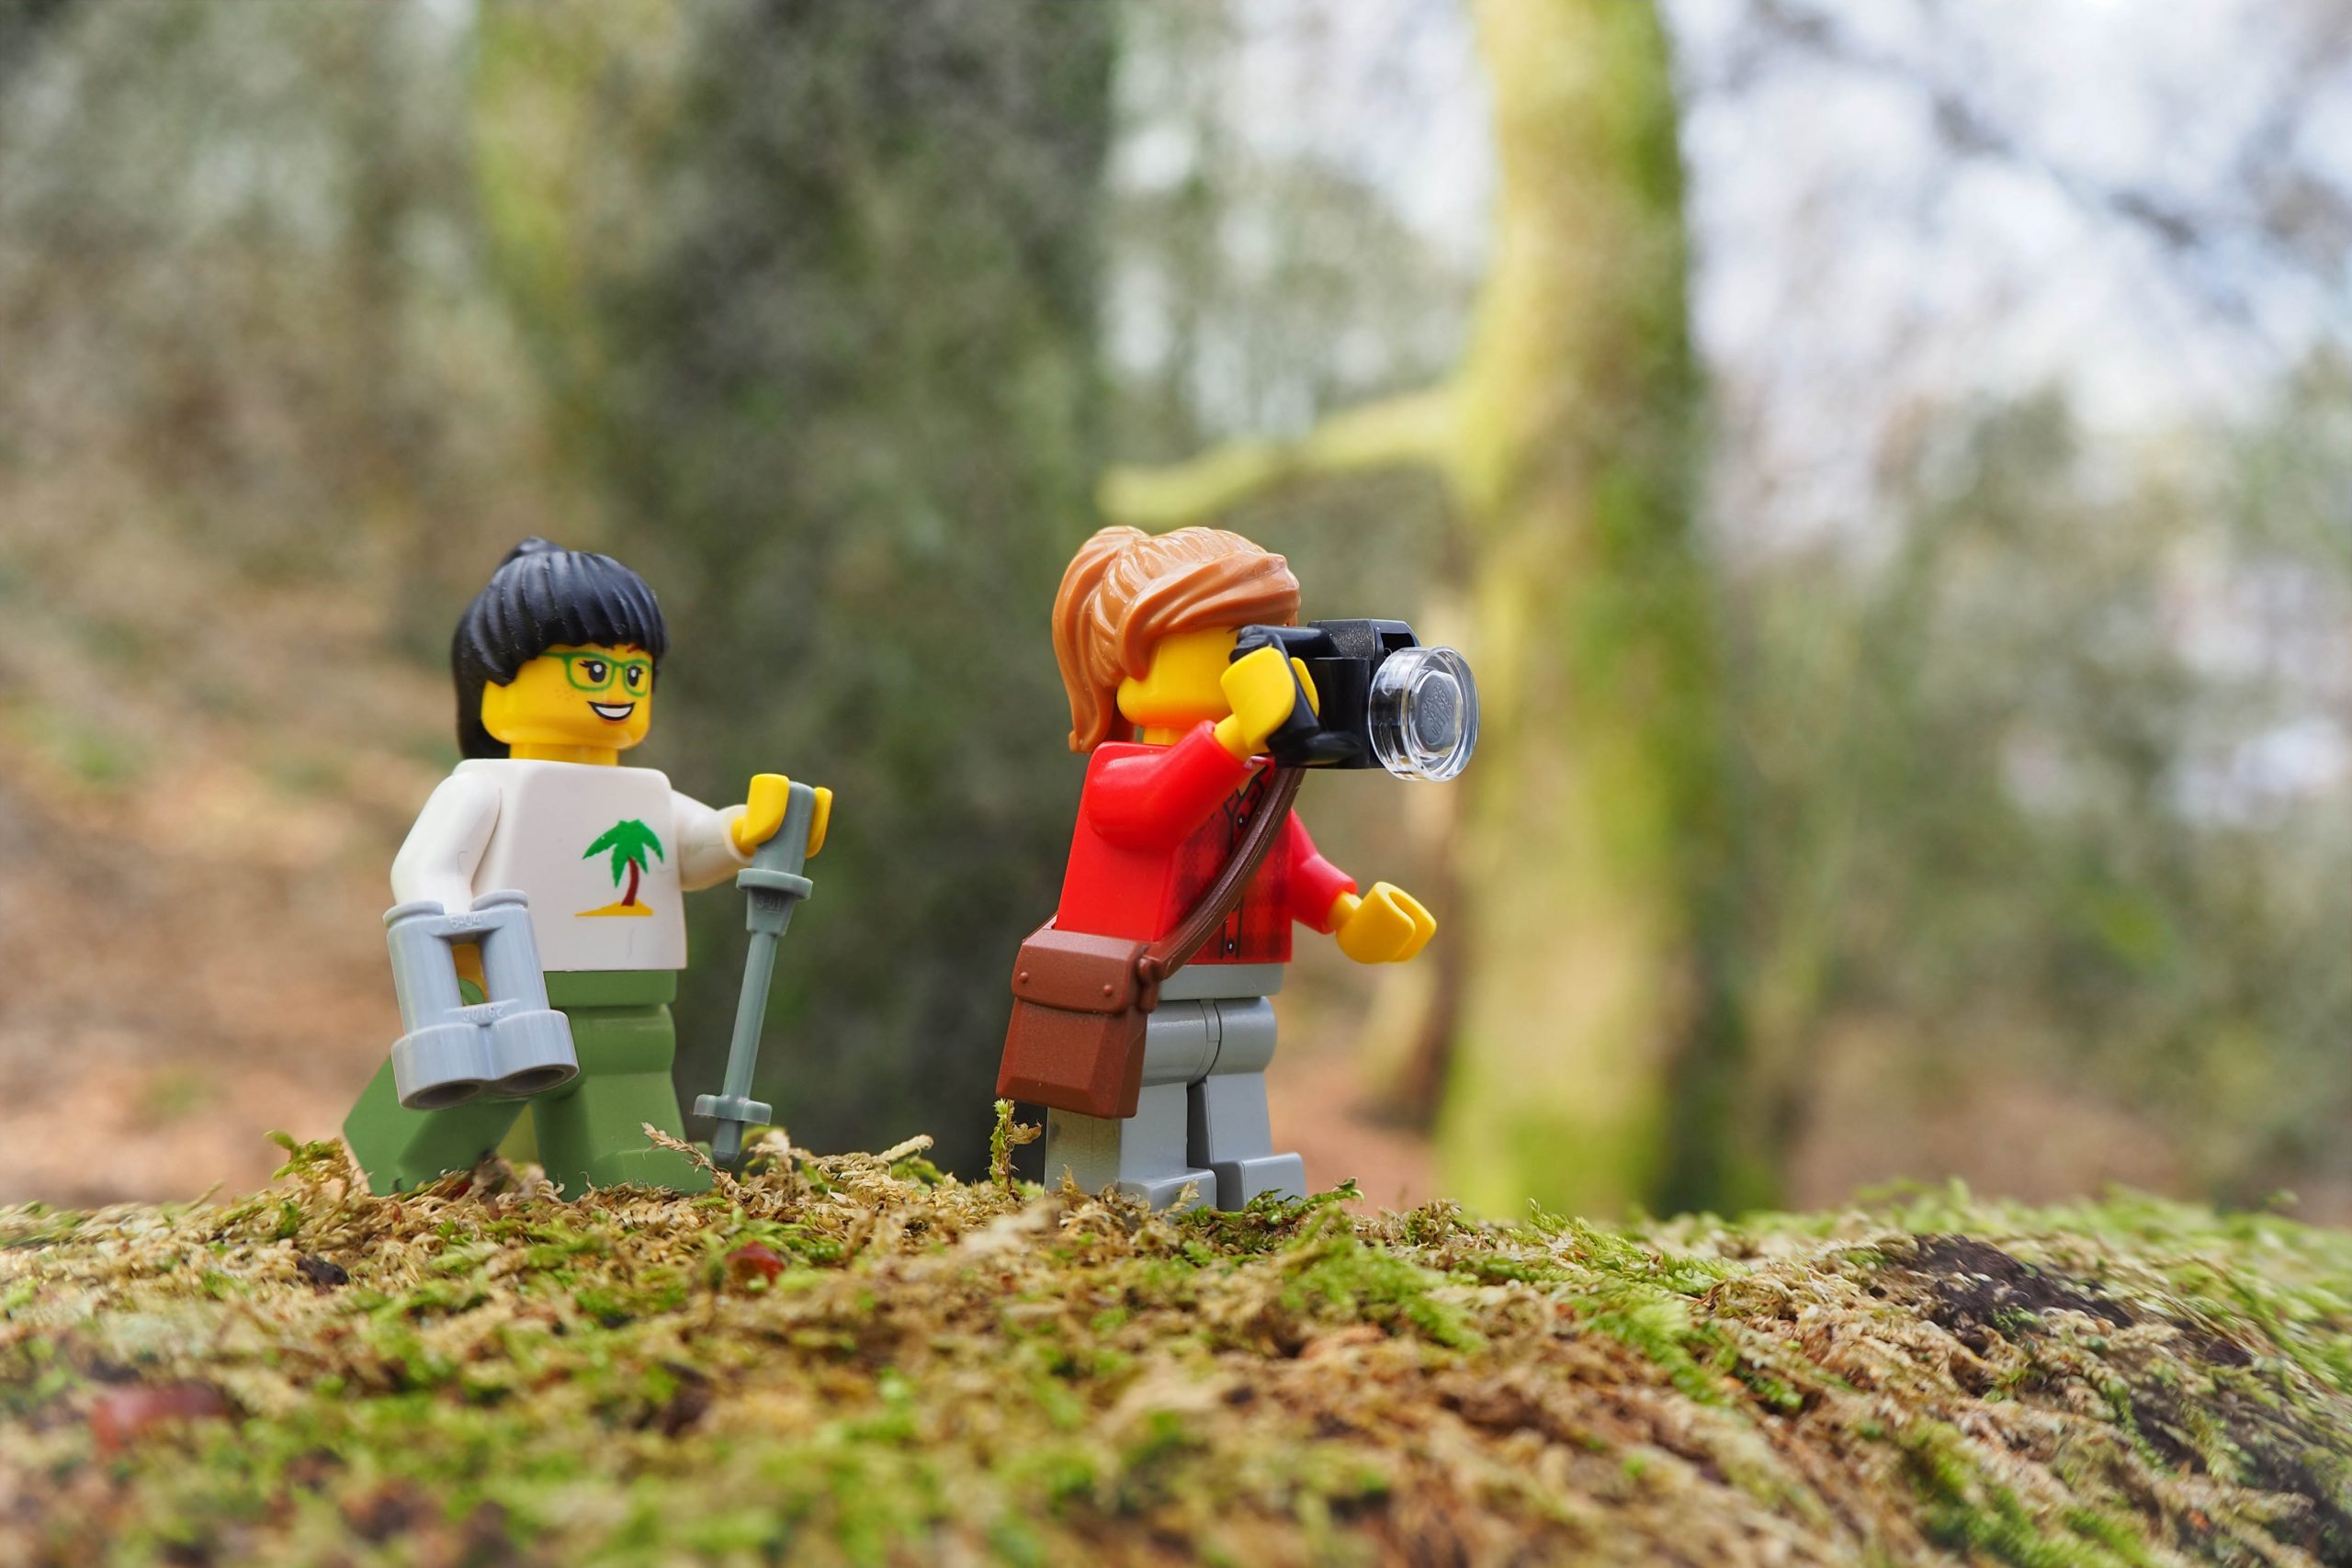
point(1599, 1040)
point(1598, 1053)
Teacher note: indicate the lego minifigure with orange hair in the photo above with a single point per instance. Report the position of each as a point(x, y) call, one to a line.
point(1176, 730)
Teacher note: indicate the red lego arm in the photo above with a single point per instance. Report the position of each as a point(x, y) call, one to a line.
point(1315, 883)
point(1154, 799)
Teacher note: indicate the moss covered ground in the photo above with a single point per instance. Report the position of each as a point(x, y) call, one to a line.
point(856, 1359)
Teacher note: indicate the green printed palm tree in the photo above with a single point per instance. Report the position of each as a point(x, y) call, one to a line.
point(627, 840)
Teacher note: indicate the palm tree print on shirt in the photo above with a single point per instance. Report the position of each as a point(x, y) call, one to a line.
point(627, 841)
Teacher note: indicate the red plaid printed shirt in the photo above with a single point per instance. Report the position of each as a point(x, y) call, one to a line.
point(1155, 825)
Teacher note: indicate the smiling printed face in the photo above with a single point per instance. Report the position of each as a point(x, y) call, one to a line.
point(593, 696)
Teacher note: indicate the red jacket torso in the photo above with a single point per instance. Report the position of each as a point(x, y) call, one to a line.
point(1157, 823)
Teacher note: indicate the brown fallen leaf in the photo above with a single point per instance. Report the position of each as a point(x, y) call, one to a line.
point(128, 1412)
point(754, 1260)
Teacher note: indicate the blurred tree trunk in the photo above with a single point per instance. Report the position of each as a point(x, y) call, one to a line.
point(1598, 1053)
point(814, 286)
point(1600, 1043)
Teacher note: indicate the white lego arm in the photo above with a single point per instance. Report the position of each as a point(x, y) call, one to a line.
point(439, 858)
point(706, 852)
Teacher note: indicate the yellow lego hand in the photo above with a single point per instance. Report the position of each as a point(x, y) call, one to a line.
point(764, 807)
point(1387, 925)
point(1260, 689)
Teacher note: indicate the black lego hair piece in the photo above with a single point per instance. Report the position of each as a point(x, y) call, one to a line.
point(540, 596)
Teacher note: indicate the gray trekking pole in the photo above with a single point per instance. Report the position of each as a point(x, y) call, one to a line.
point(772, 884)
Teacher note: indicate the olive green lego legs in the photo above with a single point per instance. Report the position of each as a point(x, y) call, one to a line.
point(400, 1149)
point(591, 1132)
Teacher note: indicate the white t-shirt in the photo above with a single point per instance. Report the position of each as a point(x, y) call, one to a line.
point(604, 853)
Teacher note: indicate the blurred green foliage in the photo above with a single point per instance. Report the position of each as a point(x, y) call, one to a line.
point(2046, 792)
point(808, 311)
point(829, 369)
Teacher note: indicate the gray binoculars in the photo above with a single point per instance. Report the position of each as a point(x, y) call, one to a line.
point(507, 1046)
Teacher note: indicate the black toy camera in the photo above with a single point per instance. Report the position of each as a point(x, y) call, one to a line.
point(1386, 700)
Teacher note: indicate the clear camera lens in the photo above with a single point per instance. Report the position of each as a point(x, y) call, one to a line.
point(1424, 715)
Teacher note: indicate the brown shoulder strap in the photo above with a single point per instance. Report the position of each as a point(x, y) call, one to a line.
point(1175, 950)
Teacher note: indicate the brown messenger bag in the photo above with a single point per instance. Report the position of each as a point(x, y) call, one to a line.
point(1080, 1002)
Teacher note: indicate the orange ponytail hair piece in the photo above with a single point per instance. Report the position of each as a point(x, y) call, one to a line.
point(1125, 589)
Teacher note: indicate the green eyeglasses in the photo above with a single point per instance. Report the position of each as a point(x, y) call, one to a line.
point(594, 672)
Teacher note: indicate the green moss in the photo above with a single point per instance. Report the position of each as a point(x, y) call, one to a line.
point(1002, 1374)
point(1338, 1276)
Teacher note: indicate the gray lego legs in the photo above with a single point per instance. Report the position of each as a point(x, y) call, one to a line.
point(1230, 1132)
point(1143, 1156)
point(1201, 1118)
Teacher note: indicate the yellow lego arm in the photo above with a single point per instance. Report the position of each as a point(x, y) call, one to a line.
point(1387, 925)
point(764, 806)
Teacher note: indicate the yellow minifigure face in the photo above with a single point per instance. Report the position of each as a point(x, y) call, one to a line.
point(591, 696)
point(1182, 686)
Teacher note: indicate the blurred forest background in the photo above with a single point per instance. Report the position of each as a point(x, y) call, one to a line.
point(1891, 464)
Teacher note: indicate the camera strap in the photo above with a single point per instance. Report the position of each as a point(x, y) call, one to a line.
point(1175, 950)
